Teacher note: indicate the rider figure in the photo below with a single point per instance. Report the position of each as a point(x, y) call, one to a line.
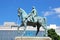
point(33, 13)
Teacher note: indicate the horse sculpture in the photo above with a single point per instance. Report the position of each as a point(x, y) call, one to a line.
point(26, 20)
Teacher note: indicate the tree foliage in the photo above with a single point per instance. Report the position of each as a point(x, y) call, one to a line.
point(53, 34)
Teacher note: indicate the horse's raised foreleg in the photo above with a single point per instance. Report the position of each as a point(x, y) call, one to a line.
point(25, 24)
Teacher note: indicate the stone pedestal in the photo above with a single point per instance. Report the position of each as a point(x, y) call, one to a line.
point(32, 38)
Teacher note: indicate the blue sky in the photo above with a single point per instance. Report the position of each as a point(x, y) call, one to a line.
point(48, 8)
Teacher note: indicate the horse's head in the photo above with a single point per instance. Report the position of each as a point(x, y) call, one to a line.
point(21, 13)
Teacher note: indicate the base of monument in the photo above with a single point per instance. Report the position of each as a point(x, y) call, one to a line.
point(32, 38)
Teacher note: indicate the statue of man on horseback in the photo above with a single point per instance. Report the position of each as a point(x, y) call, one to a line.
point(35, 20)
point(33, 13)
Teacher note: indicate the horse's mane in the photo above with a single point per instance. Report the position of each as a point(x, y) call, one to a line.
point(23, 10)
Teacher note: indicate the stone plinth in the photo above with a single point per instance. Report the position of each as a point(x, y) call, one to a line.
point(32, 38)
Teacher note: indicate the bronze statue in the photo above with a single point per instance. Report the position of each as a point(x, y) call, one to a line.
point(32, 19)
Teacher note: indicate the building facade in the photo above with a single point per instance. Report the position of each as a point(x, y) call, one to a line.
point(9, 31)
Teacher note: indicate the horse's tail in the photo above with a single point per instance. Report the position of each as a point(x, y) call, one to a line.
point(44, 18)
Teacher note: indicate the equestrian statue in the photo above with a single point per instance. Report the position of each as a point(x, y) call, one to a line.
point(32, 20)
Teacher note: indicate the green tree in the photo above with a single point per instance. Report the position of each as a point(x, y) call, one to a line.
point(53, 34)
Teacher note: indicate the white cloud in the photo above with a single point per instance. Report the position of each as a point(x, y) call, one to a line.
point(46, 14)
point(52, 12)
point(57, 10)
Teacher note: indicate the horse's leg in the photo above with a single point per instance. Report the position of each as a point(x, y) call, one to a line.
point(45, 27)
point(37, 30)
point(45, 31)
point(24, 28)
point(38, 27)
